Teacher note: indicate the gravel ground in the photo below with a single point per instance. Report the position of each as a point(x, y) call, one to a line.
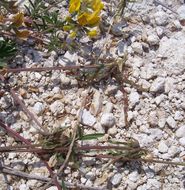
point(154, 38)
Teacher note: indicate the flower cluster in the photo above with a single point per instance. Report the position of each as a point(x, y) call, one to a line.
point(16, 23)
point(83, 14)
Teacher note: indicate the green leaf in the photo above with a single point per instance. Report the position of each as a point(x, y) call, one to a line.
point(63, 185)
point(7, 49)
point(92, 136)
point(2, 63)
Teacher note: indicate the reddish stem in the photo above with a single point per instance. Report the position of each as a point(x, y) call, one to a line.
point(22, 139)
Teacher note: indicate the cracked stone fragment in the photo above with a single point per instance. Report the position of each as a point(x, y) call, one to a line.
point(87, 118)
point(158, 85)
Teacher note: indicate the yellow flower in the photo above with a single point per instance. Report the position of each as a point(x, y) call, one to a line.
point(1, 18)
point(97, 5)
point(67, 27)
point(18, 19)
point(88, 19)
point(72, 34)
point(23, 34)
point(74, 5)
point(92, 33)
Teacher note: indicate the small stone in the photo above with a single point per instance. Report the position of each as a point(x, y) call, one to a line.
point(112, 131)
point(38, 108)
point(117, 28)
point(111, 89)
point(152, 119)
point(107, 120)
point(119, 95)
point(158, 85)
point(182, 141)
point(122, 47)
point(153, 39)
point(162, 147)
point(38, 76)
point(65, 81)
point(87, 118)
point(116, 179)
point(108, 108)
point(89, 183)
point(171, 122)
point(161, 18)
point(155, 133)
point(137, 47)
point(178, 116)
point(181, 12)
point(57, 107)
point(169, 84)
point(162, 122)
point(23, 187)
point(159, 99)
point(99, 128)
point(134, 176)
point(134, 98)
point(17, 126)
point(96, 104)
point(173, 151)
point(90, 175)
point(52, 188)
point(68, 59)
point(180, 132)
point(153, 184)
point(159, 31)
point(89, 161)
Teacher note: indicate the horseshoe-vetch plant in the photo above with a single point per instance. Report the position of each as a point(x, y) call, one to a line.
point(84, 17)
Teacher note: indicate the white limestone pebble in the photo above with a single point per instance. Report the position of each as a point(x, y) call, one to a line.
point(23, 187)
point(133, 98)
point(137, 47)
point(180, 132)
point(182, 141)
point(52, 188)
point(107, 120)
point(181, 12)
point(162, 147)
point(158, 85)
point(38, 108)
point(87, 118)
point(57, 107)
point(134, 176)
point(153, 39)
point(161, 18)
point(116, 179)
point(171, 122)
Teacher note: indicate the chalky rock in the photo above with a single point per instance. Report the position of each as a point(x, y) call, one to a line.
point(107, 120)
point(181, 13)
point(161, 18)
point(137, 47)
point(87, 118)
point(180, 132)
point(68, 59)
point(57, 107)
point(134, 98)
point(116, 179)
point(52, 188)
point(158, 85)
point(172, 51)
point(96, 104)
point(182, 141)
point(153, 39)
point(171, 122)
point(162, 147)
point(38, 108)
